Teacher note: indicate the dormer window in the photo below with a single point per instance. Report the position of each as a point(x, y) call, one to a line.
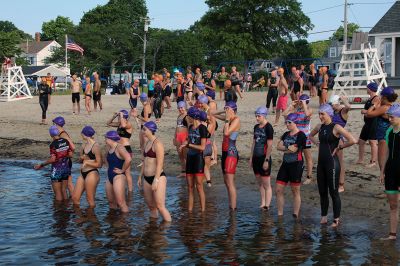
point(332, 52)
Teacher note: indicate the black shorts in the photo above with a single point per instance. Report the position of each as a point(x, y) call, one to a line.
point(75, 97)
point(392, 177)
point(235, 82)
point(195, 164)
point(257, 163)
point(96, 96)
point(290, 172)
point(150, 94)
point(368, 131)
point(167, 92)
point(133, 103)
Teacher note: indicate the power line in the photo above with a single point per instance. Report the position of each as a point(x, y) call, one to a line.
point(354, 15)
point(324, 9)
point(372, 3)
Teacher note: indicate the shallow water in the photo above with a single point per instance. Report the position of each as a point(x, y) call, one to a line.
point(35, 231)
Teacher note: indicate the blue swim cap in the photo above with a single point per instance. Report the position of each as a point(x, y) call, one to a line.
point(292, 117)
point(181, 104)
point(53, 131)
point(59, 121)
point(88, 131)
point(211, 93)
point(125, 114)
point(387, 91)
point(372, 86)
point(203, 99)
point(201, 115)
point(200, 86)
point(113, 135)
point(143, 97)
point(150, 125)
point(192, 111)
point(231, 105)
point(394, 110)
point(326, 108)
point(304, 97)
point(262, 111)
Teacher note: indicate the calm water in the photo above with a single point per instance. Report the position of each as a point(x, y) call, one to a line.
point(36, 231)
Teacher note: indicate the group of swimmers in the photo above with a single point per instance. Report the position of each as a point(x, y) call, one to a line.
point(196, 146)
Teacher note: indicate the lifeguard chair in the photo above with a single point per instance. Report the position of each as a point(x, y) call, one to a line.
point(358, 66)
point(13, 84)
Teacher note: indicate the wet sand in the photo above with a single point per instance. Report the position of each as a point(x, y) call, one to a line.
point(22, 137)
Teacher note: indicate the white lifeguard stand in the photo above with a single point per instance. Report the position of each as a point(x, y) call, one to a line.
point(358, 67)
point(13, 85)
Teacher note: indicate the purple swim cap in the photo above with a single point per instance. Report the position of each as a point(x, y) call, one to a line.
point(53, 131)
point(394, 110)
point(88, 131)
point(387, 91)
point(201, 115)
point(292, 117)
point(372, 86)
point(113, 135)
point(304, 97)
point(231, 105)
point(211, 93)
point(203, 99)
point(262, 111)
point(125, 114)
point(143, 97)
point(192, 111)
point(181, 104)
point(150, 125)
point(326, 108)
point(59, 121)
point(200, 86)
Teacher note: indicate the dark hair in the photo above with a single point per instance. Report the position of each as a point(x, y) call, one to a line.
point(391, 98)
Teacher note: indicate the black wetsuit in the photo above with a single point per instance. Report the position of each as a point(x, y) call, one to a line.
point(230, 95)
point(261, 136)
point(368, 131)
point(328, 170)
point(44, 92)
point(157, 100)
point(272, 94)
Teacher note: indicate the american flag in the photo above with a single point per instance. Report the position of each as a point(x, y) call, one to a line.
point(71, 45)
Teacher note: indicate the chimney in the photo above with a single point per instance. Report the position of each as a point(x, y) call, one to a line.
point(37, 36)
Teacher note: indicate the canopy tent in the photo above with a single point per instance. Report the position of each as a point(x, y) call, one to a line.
point(43, 70)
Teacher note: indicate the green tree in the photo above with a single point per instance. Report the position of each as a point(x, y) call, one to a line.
point(247, 29)
point(319, 48)
point(56, 29)
point(351, 28)
point(9, 44)
point(8, 26)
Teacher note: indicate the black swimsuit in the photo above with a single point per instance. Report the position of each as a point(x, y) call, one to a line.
point(91, 156)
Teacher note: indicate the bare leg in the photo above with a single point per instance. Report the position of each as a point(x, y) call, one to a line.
point(207, 166)
point(361, 151)
point(280, 198)
point(296, 200)
point(119, 186)
point(200, 191)
point(190, 183)
point(381, 153)
point(57, 189)
point(277, 115)
point(91, 182)
point(266, 184)
point(78, 191)
point(110, 195)
point(148, 198)
point(229, 180)
point(129, 180)
point(70, 185)
point(159, 199)
point(394, 212)
point(262, 191)
point(374, 152)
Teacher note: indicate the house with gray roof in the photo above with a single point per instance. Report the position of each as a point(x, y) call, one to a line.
point(386, 37)
point(37, 51)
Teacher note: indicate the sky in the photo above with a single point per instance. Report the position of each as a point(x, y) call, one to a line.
point(325, 15)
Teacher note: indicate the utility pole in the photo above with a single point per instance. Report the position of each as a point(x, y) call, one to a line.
point(345, 26)
point(146, 29)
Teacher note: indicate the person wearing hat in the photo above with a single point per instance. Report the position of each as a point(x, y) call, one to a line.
point(60, 152)
point(304, 112)
point(144, 115)
point(125, 130)
point(90, 157)
point(260, 155)
point(390, 174)
point(155, 180)
point(195, 146)
point(328, 168)
point(340, 117)
point(230, 154)
point(368, 131)
point(59, 122)
point(378, 110)
point(181, 135)
point(210, 123)
point(291, 144)
point(118, 160)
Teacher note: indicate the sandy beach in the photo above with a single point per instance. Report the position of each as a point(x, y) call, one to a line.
point(22, 137)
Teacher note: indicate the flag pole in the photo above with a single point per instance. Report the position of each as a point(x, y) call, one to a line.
point(66, 61)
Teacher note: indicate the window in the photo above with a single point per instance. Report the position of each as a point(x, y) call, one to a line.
point(52, 48)
point(31, 60)
point(332, 52)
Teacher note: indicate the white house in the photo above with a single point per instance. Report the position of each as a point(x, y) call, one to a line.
point(386, 36)
point(36, 51)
